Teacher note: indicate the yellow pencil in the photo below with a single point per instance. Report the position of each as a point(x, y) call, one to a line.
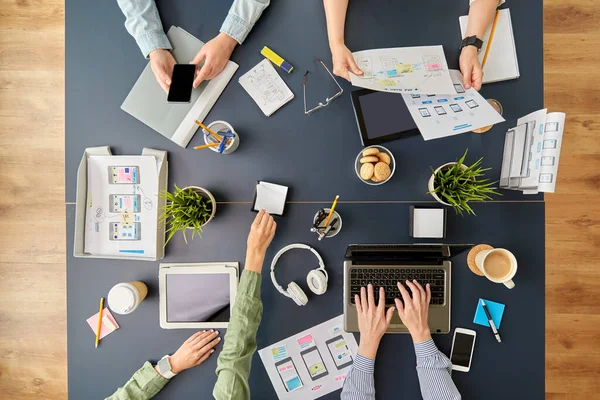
point(331, 210)
point(214, 134)
point(489, 43)
point(99, 321)
point(206, 145)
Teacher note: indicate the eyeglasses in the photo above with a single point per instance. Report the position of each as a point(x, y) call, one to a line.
point(327, 100)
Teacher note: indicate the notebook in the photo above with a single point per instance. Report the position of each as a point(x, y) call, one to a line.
point(502, 63)
point(147, 102)
point(266, 87)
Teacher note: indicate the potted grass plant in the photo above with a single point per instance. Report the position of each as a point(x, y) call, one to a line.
point(455, 184)
point(190, 208)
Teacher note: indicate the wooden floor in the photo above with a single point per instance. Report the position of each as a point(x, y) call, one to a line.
point(33, 356)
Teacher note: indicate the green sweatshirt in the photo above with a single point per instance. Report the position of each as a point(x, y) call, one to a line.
point(233, 365)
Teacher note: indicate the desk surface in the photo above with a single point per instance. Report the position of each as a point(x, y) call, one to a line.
point(519, 359)
point(313, 154)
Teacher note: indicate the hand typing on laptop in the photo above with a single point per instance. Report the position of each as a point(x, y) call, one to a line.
point(433, 367)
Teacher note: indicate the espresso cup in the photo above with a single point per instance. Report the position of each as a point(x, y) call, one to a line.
point(498, 265)
point(124, 298)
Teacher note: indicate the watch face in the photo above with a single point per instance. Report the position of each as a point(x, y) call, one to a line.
point(164, 366)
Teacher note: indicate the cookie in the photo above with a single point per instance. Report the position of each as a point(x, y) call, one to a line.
point(384, 157)
point(369, 159)
point(374, 179)
point(366, 171)
point(370, 152)
point(382, 171)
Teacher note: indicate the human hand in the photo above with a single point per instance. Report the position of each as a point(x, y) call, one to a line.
point(162, 62)
point(373, 320)
point(194, 351)
point(261, 234)
point(414, 312)
point(471, 68)
point(344, 62)
point(215, 53)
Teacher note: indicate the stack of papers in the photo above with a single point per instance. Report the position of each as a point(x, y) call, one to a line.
point(531, 153)
point(266, 87)
point(270, 197)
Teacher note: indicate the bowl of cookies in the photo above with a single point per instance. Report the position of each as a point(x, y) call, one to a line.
point(375, 165)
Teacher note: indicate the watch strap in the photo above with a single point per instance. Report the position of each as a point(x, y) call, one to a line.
point(471, 41)
point(164, 367)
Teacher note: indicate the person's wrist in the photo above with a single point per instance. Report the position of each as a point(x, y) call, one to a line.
point(368, 347)
point(254, 260)
point(156, 52)
point(470, 50)
point(227, 41)
point(336, 43)
point(175, 364)
point(421, 335)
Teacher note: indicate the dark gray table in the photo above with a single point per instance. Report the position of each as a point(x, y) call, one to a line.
point(314, 155)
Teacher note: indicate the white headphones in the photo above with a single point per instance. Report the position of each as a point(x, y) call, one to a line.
point(316, 279)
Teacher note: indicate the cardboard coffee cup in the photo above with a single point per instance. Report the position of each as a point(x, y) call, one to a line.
point(124, 298)
point(498, 265)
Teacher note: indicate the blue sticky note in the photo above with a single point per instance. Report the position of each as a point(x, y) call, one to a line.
point(496, 311)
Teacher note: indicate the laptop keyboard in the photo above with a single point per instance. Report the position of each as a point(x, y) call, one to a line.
point(388, 277)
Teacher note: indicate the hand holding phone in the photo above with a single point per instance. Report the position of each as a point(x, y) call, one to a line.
point(182, 80)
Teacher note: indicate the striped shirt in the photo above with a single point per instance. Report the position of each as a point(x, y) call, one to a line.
point(433, 370)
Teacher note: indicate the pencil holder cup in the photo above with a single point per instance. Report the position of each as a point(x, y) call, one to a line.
point(337, 227)
point(221, 128)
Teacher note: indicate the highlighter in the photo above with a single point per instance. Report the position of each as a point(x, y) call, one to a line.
point(276, 59)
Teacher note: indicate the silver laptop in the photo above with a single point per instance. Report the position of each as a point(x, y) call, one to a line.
point(383, 265)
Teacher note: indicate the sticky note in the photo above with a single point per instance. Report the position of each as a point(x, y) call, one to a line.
point(306, 341)
point(496, 311)
point(126, 218)
point(106, 328)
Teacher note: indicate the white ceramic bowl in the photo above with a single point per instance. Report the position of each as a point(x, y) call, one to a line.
point(382, 149)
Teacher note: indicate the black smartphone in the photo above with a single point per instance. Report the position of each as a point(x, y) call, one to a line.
point(182, 82)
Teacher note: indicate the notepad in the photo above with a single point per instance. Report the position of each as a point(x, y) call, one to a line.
point(266, 87)
point(502, 63)
point(428, 223)
point(109, 324)
point(271, 197)
point(496, 311)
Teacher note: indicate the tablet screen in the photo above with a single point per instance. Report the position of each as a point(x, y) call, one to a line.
point(385, 114)
point(198, 297)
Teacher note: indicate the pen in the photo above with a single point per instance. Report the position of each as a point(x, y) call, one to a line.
point(491, 321)
point(99, 321)
point(328, 229)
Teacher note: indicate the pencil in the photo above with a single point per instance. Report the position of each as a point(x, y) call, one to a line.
point(215, 135)
point(331, 210)
point(99, 321)
point(489, 43)
point(206, 145)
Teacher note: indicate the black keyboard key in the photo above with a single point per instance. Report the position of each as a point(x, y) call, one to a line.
point(355, 289)
point(437, 295)
point(439, 282)
point(438, 276)
point(354, 282)
point(435, 289)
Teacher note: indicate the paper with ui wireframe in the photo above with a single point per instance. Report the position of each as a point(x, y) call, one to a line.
point(404, 70)
point(109, 324)
point(438, 116)
point(266, 87)
point(270, 197)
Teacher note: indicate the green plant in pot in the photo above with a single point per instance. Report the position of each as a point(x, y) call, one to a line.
point(455, 184)
point(189, 208)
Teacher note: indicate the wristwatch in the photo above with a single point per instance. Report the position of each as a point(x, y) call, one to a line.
point(164, 368)
point(471, 41)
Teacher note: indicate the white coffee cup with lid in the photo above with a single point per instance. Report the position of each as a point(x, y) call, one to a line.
point(125, 297)
point(498, 265)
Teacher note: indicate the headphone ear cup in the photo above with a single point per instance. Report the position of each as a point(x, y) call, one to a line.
point(317, 281)
point(297, 294)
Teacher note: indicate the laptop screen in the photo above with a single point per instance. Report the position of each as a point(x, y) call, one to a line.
point(404, 253)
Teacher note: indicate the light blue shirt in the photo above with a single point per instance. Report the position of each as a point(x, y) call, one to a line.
point(433, 370)
point(143, 22)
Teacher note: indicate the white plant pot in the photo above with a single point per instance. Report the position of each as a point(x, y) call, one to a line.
point(430, 184)
point(205, 193)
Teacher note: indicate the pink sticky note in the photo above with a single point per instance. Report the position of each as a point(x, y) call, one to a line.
point(305, 339)
point(104, 329)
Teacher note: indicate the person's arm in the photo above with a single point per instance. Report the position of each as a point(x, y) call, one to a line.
point(147, 381)
point(335, 15)
point(433, 368)
point(373, 321)
point(241, 18)
point(143, 385)
point(143, 23)
point(233, 364)
point(481, 15)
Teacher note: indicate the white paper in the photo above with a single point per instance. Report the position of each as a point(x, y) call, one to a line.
point(266, 87)
point(271, 197)
point(322, 384)
point(428, 223)
point(535, 131)
point(100, 216)
point(502, 63)
point(553, 133)
point(404, 70)
point(439, 116)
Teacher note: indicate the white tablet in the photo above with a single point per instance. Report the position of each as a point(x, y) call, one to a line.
point(197, 296)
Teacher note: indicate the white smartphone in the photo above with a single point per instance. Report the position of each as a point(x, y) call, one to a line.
point(463, 344)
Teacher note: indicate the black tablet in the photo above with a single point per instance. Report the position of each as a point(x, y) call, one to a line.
point(381, 117)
